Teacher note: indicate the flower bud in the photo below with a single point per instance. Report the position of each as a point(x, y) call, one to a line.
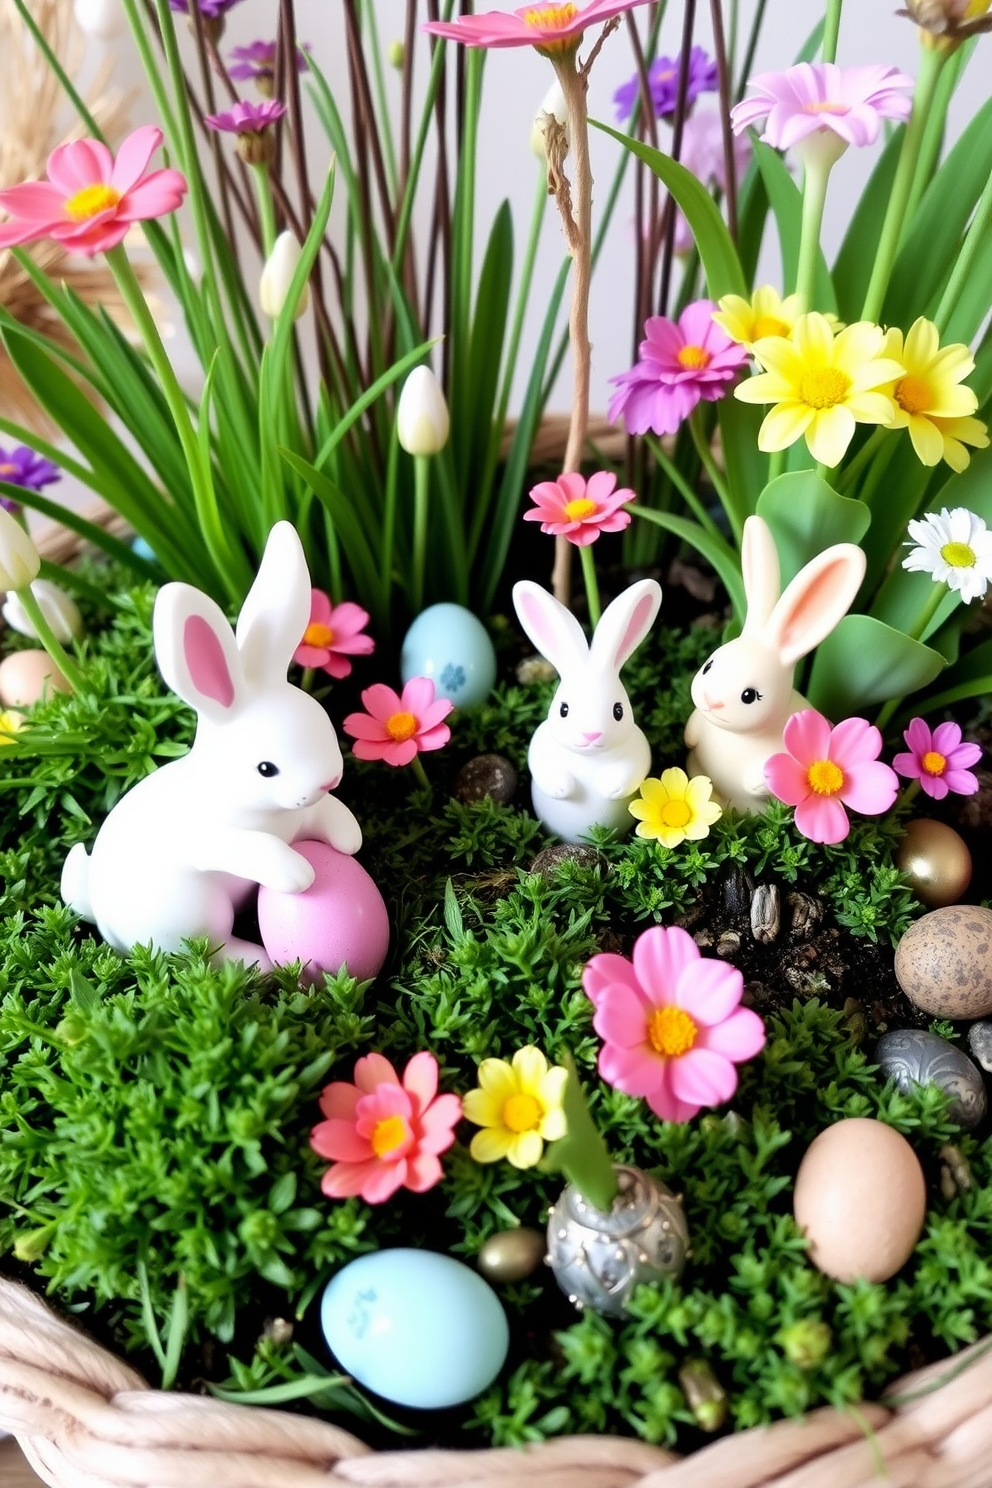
point(277, 276)
point(396, 55)
point(554, 104)
point(101, 19)
point(19, 559)
point(60, 611)
point(422, 419)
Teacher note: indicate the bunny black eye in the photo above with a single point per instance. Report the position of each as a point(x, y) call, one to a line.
point(268, 769)
point(707, 666)
point(750, 695)
point(563, 710)
point(618, 711)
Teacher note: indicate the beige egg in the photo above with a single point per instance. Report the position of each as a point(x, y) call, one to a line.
point(860, 1199)
point(943, 963)
point(936, 861)
point(27, 676)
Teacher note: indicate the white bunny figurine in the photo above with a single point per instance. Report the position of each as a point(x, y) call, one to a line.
point(179, 854)
point(588, 757)
point(744, 695)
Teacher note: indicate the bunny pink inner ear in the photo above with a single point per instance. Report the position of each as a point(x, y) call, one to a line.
point(206, 662)
point(637, 626)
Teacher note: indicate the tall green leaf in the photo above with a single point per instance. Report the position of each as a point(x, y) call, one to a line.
point(864, 662)
point(806, 516)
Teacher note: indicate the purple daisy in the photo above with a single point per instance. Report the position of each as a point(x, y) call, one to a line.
point(20, 466)
point(248, 118)
point(257, 63)
point(817, 97)
point(663, 80)
point(682, 363)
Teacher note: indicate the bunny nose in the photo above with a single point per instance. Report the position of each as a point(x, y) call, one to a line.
point(591, 738)
point(713, 707)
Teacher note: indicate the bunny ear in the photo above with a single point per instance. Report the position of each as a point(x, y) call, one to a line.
point(554, 630)
point(816, 601)
point(276, 610)
point(625, 623)
point(196, 654)
point(762, 579)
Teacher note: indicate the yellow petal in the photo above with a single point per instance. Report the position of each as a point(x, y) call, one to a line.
point(876, 408)
point(497, 1078)
point(552, 1091)
point(857, 344)
point(482, 1108)
point(669, 836)
point(814, 340)
point(698, 792)
point(874, 373)
point(922, 344)
point(954, 362)
point(783, 425)
point(781, 358)
point(490, 1145)
point(928, 442)
point(829, 435)
point(675, 782)
point(767, 387)
point(525, 1150)
point(553, 1126)
point(529, 1068)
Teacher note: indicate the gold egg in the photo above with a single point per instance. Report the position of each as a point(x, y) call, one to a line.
point(936, 861)
point(511, 1255)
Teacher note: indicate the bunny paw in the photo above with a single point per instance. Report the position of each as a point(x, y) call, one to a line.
point(290, 875)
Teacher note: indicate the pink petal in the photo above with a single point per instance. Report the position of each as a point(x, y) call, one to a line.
point(418, 694)
point(937, 786)
point(352, 645)
point(78, 164)
point(608, 970)
point(315, 656)
point(423, 1171)
point(435, 738)
point(946, 738)
point(738, 1037)
point(14, 234)
point(370, 749)
point(363, 726)
point(373, 1070)
point(961, 782)
point(433, 714)
point(420, 1081)
point(709, 990)
point(634, 1071)
point(669, 1106)
point(918, 737)
point(381, 701)
point(696, 321)
point(34, 201)
point(870, 788)
point(908, 765)
point(437, 1123)
point(853, 742)
point(336, 666)
point(380, 1104)
point(704, 1077)
point(383, 1181)
point(399, 755)
point(822, 819)
point(320, 607)
point(963, 756)
point(162, 192)
point(620, 1018)
point(346, 1179)
point(787, 779)
point(340, 1141)
point(340, 1100)
point(601, 487)
point(349, 618)
point(660, 958)
point(133, 157)
point(807, 736)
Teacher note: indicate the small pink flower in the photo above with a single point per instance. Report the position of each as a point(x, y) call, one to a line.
point(334, 634)
point(247, 118)
point(382, 1135)
point(397, 728)
point(682, 363)
point(90, 199)
point(939, 760)
point(578, 509)
point(827, 769)
point(550, 28)
point(816, 97)
point(670, 1022)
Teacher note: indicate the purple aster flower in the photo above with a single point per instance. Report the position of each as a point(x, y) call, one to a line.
point(663, 80)
point(257, 63)
point(682, 363)
point(939, 760)
point(817, 97)
point(20, 466)
point(247, 118)
point(213, 10)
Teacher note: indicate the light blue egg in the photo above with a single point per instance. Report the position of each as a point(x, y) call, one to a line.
point(451, 646)
point(415, 1327)
point(143, 550)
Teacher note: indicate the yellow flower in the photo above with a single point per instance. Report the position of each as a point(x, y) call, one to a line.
point(822, 386)
point(10, 723)
point(519, 1107)
point(929, 390)
point(764, 314)
point(956, 433)
point(675, 808)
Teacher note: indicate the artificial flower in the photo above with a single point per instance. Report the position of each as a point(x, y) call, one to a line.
point(930, 387)
point(11, 722)
point(580, 509)
point(397, 728)
point(212, 9)
point(819, 97)
point(682, 363)
point(247, 118)
point(20, 466)
point(675, 808)
point(822, 385)
point(954, 548)
point(663, 84)
point(766, 313)
point(824, 770)
point(422, 419)
point(59, 610)
point(551, 28)
point(945, 24)
point(277, 276)
point(939, 760)
point(957, 435)
point(704, 154)
point(19, 558)
point(257, 63)
point(90, 199)
point(333, 634)
point(519, 1107)
point(671, 1024)
point(381, 1134)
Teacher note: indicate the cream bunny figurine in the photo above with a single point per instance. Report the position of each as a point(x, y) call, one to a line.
point(180, 853)
point(744, 695)
point(588, 758)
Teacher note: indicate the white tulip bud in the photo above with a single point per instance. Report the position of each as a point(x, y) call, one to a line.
point(422, 418)
point(19, 559)
point(554, 103)
point(60, 611)
point(101, 19)
point(278, 275)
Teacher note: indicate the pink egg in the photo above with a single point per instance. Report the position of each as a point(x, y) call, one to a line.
point(340, 920)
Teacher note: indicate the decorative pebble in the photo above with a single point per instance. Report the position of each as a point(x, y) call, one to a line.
point(704, 1394)
point(911, 1056)
point(936, 861)
point(28, 676)
point(417, 1328)
point(340, 920)
point(860, 1198)
point(550, 859)
point(944, 962)
point(511, 1255)
point(804, 912)
point(487, 775)
point(766, 913)
point(451, 646)
point(980, 1044)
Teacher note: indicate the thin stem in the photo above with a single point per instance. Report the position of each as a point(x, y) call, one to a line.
point(421, 488)
point(266, 208)
point(878, 467)
point(683, 487)
point(592, 587)
point(678, 127)
point(421, 773)
point(776, 464)
point(379, 83)
point(831, 30)
point(725, 83)
point(47, 637)
point(976, 240)
point(815, 181)
point(702, 444)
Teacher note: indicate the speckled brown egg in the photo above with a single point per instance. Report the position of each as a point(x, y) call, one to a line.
point(860, 1199)
point(27, 676)
point(944, 962)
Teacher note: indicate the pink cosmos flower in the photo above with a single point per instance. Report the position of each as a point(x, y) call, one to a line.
point(578, 509)
point(939, 760)
point(814, 97)
point(247, 118)
point(827, 769)
point(382, 1135)
point(670, 1022)
point(90, 199)
point(681, 364)
point(334, 634)
point(398, 728)
point(550, 28)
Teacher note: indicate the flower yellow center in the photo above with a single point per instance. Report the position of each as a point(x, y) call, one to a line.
point(389, 1134)
point(522, 1113)
point(317, 634)
point(768, 325)
point(934, 763)
point(913, 394)
point(401, 726)
point(556, 16)
point(958, 555)
point(823, 387)
point(825, 778)
point(675, 814)
point(694, 357)
point(579, 509)
point(91, 201)
point(826, 107)
point(672, 1031)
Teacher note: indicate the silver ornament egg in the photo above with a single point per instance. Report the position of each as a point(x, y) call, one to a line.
point(912, 1056)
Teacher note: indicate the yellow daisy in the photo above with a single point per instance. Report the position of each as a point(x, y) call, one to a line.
point(956, 433)
point(519, 1107)
point(764, 314)
point(11, 722)
point(930, 390)
point(822, 385)
point(675, 808)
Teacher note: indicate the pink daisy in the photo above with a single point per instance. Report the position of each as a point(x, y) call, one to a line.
point(814, 97)
point(550, 28)
point(671, 1024)
point(334, 633)
point(247, 118)
point(827, 769)
point(682, 363)
point(939, 760)
point(397, 728)
point(578, 509)
point(382, 1135)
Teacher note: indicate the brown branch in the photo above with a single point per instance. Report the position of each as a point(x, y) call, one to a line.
point(678, 126)
point(726, 87)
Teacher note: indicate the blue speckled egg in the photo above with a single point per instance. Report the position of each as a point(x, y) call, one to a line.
point(451, 646)
point(415, 1327)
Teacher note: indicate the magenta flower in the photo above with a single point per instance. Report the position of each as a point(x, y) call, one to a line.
point(334, 634)
point(257, 63)
point(90, 199)
point(663, 81)
point(580, 509)
point(939, 760)
point(671, 1024)
point(814, 97)
point(681, 364)
point(398, 728)
point(550, 28)
point(381, 1134)
point(212, 9)
point(248, 118)
point(827, 769)
point(20, 466)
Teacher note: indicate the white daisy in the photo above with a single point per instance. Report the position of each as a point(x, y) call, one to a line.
point(955, 549)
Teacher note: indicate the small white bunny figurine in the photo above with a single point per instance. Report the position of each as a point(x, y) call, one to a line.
point(588, 757)
point(178, 855)
point(744, 695)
